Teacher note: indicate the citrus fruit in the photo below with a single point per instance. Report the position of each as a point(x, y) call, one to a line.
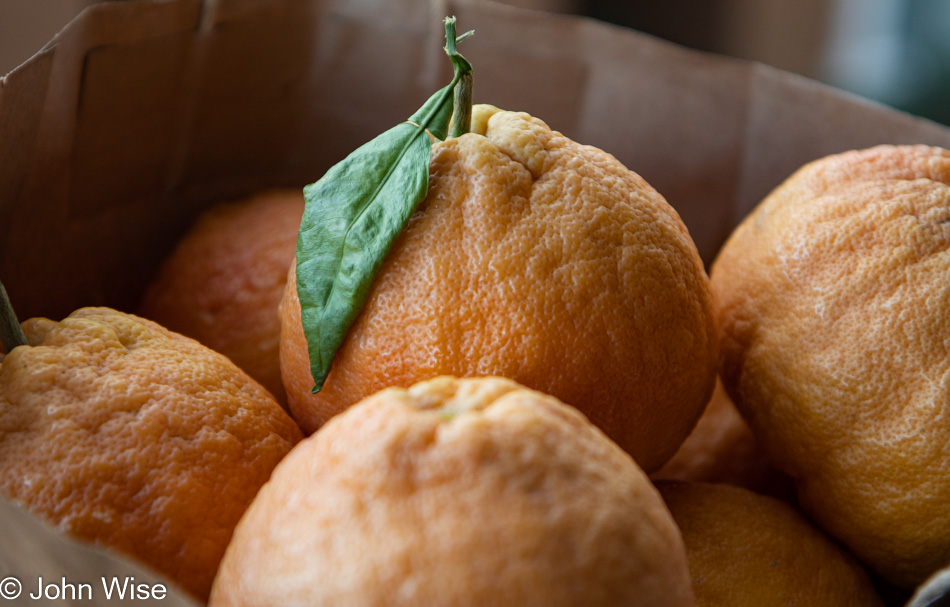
point(541, 260)
point(833, 300)
point(456, 492)
point(118, 431)
point(723, 449)
point(222, 283)
point(750, 550)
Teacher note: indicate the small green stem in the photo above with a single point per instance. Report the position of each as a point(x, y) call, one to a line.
point(462, 108)
point(462, 112)
point(11, 335)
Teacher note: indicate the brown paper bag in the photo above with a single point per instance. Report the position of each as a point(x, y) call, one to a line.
point(140, 114)
point(39, 566)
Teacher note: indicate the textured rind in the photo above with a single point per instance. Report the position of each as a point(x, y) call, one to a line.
point(833, 301)
point(541, 260)
point(121, 432)
point(456, 492)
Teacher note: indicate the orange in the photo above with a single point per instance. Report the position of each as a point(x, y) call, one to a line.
point(118, 431)
point(833, 300)
point(222, 283)
point(749, 550)
point(541, 260)
point(723, 449)
point(456, 492)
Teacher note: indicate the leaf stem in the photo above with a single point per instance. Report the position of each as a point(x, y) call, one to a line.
point(462, 112)
point(462, 107)
point(11, 335)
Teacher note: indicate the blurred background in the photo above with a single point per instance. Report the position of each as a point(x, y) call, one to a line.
point(896, 52)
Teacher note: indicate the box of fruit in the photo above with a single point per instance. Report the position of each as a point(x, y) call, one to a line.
point(561, 238)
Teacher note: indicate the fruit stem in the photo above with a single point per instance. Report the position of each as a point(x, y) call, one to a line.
point(462, 114)
point(11, 334)
point(462, 111)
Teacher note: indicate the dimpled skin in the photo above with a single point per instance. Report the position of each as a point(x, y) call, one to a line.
point(455, 493)
point(749, 550)
point(833, 299)
point(224, 280)
point(123, 433)
point(541, 260)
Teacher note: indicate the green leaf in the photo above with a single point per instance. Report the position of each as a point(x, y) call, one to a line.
point(354, 213)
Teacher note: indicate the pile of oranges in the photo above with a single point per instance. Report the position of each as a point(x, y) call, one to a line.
point(570, 297)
